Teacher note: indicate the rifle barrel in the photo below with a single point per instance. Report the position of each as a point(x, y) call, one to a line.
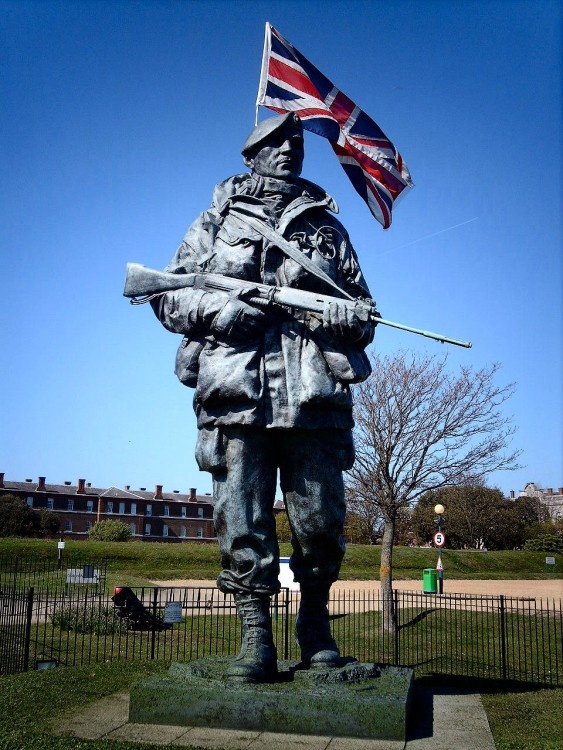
point(429, 334)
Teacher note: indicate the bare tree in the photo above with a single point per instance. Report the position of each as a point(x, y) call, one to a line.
point(364, 523)
point(419, 428)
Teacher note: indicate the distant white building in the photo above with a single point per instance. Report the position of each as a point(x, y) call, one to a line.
point(553, 500)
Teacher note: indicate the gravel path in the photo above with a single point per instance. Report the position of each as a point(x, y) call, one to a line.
point(543, 589)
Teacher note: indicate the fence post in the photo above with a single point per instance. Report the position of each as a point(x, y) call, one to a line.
point(503, 638)
point(13, 608)
point(153, 634)
point(397, 628)
point(27, 639)
point(286, 624)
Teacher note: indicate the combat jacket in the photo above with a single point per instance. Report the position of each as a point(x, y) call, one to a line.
point(293, 373)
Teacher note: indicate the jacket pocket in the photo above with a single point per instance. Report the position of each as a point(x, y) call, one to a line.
point(349, 364)
point(230, 376)
point(347, 361)
point(187, 360)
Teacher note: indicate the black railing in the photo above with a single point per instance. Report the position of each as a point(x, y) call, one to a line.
point(495, 637)
point(72, 573)
point(16, 611)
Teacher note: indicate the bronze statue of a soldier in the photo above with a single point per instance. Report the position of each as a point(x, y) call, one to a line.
point(272, 385)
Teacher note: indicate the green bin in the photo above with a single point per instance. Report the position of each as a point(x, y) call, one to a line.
point(429, 581)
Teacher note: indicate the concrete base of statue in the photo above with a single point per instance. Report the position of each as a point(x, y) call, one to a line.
point(355, 700)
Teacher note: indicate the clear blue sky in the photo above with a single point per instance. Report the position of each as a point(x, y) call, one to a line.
point(118, 118)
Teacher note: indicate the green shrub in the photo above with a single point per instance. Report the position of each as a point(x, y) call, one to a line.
point(546, 543)
point(110, 531)
point(88, 619)
point(283, 529)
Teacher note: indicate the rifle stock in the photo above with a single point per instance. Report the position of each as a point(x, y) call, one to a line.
point(142, 283)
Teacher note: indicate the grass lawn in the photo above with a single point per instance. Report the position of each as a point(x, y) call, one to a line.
point(137, 563)
point(33, 700)
point(521, 718)
point(524, 718)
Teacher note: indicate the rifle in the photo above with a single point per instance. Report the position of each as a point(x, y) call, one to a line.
point(143, 284)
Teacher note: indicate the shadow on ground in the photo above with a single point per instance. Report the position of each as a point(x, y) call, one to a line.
point(421, 719)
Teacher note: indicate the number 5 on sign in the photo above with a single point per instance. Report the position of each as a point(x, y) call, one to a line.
point(439, 539)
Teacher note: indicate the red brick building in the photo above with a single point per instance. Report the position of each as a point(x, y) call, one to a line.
point(153, 516)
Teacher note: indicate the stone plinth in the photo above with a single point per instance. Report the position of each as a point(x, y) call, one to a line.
point(356, 700)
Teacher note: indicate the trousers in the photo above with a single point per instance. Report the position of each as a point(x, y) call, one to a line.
point(309, 464)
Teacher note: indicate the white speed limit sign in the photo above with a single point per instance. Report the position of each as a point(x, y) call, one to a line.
point(439, 539)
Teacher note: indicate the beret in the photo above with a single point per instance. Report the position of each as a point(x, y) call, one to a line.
point(266, 128)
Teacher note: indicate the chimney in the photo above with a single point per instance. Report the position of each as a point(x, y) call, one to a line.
point(41, 484)
point(193, 495)
point(127, 487)
point(550, 490)
point(2, 480)
point(158, 492)
point(81, 489)
point(512, 494)
point(559, 493)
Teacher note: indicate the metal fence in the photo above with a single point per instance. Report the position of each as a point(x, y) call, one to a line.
point(46, 576)
point(16, 609)
point(30, 592)
point(494, 637)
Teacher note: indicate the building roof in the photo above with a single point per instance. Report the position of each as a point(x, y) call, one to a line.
point(110, 492)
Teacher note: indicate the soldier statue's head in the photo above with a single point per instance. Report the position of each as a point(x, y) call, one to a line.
point(275, 147)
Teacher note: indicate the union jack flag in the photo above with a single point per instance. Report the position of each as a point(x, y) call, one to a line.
point(290, 83)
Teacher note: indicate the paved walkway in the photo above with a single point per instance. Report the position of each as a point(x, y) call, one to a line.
point(442, 719)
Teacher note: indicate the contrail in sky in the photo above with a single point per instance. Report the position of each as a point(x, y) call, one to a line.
point(428, 236)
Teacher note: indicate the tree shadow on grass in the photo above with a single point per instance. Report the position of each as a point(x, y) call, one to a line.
point(419, 618)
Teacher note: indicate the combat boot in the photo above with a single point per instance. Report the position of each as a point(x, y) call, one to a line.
point(257, 660)
point(318, 647)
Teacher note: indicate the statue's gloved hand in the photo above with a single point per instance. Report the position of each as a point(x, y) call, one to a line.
point(238, 320)
point(346, 321)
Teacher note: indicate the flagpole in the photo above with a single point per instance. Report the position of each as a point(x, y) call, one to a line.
point(264, 69)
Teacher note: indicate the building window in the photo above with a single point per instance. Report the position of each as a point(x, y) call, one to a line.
point(70, 504)
point(147, 529)
point(122, 509)
point(183, 532)
point(165, 530)
point(89, 506)
point(199, 532)
point(148, 510)
point(50, 503)
point(132, 529)
point(109, 506)
point(166, 510)
point(68, 526)
point(200, 512)
point(29, 501)
point(184, 511)
point(133, 509)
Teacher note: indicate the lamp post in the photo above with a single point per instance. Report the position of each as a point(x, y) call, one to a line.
point(439, 540)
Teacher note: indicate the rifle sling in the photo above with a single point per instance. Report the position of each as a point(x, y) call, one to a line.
point(286, 247)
